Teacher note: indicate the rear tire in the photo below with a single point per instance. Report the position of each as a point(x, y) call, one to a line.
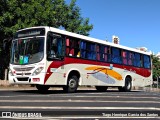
point(128, 85)
point(101, 88)
point(42, 88)
point(72, 85)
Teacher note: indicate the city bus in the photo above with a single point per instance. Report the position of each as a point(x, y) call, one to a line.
point(49, 57)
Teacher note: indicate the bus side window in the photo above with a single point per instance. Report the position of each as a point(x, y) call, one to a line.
point(102, 51)
point(72, 47)
point(67, 46)
point(91, 54)
point(106, 54)
point(116, 55)
point(59, 47)
point(130, 58)
point(71, 51)
point(49, 46)
point(137, 60)
point(98, 54)
point(93, 51)
point(109, 54)
point(141, 61)
point(54, 46)
point(77, 48)
point(124, 57)
point(83, 49)
point(146, 61)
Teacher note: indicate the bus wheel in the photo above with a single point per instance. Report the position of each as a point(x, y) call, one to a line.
point(128, 84)
point(42, 88)
point(127, 87)
point(72, 85)
point(101, 88)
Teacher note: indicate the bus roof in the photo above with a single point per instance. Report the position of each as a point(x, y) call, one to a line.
point(64, 32)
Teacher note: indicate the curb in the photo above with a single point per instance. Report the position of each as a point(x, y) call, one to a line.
point(4, 83)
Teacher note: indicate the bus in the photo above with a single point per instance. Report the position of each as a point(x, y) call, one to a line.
point(49, 57)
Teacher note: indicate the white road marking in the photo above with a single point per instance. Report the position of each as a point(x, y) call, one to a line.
point(70, 100)
point(81, 96)
point(79, 108)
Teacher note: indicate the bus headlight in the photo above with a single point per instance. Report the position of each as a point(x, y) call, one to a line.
point(37, 71)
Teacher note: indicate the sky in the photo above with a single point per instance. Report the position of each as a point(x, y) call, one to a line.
point(135, 22)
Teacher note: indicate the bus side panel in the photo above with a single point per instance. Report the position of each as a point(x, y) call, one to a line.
point(55, 73)
point(148, 80)
point(96, 75)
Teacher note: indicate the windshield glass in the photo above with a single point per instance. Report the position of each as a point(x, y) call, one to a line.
point(27, 51)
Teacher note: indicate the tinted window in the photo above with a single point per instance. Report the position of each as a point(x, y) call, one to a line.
point(102, 53)
point(137, 60)
point(116, 55)
point(125, 57)
point(90, 51)
point(130, 58)
point(147, 63)
point(55, 46)
point(72, 47)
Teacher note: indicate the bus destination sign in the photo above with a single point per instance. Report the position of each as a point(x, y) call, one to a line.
point(30, 32)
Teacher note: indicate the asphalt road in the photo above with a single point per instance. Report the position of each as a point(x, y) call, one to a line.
point(85, 104)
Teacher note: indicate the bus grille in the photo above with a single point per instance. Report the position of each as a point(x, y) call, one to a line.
point(23, 74)
point(23, 79)
point(23, 69)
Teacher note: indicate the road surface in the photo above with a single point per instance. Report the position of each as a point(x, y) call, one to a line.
point(85, 104)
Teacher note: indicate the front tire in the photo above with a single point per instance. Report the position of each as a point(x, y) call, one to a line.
point(72, 85)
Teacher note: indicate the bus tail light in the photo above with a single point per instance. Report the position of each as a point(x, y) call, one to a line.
point(37, 71)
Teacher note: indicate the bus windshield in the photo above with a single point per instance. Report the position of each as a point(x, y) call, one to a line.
point(27, 51)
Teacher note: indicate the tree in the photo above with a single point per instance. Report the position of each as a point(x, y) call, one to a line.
point(18, 14)
point(74, 22)
point(155, 66)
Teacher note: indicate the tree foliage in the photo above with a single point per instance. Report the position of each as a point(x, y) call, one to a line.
point(18, 14)
point(155, 66)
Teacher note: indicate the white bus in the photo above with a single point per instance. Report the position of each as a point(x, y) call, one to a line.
point(46, 57)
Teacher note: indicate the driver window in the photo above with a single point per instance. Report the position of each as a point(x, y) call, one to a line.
point(54, 46)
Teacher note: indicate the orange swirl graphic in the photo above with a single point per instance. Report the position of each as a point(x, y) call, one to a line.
point(107, 71)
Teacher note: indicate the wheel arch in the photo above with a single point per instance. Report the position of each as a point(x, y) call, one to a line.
point(73, 72)
point(127, 76)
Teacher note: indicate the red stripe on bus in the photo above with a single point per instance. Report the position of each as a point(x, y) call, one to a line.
point(68, 60)
point(140, 71)
point(54, 64)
